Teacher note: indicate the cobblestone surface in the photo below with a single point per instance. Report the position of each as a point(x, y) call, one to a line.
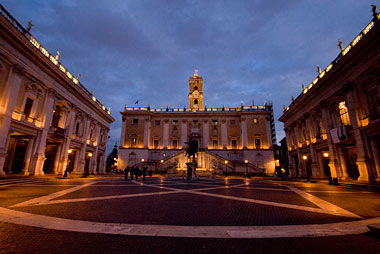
point(182, 208)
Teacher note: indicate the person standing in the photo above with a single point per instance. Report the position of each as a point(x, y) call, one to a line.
point(126, 172)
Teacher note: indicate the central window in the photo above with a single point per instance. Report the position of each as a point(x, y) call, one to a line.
point(343, 112)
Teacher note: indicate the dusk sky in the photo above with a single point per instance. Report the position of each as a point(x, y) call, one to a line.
point(261, 50)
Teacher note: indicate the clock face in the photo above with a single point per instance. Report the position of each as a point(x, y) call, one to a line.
point(195, 94)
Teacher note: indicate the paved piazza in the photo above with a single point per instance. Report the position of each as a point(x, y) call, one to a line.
point(224, 212)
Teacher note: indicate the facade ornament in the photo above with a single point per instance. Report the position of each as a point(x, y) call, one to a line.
point(292, 98)
point(340, 45)
point(58, 55)
point(18, 69)
point(283, 106)
point(78, 76)
point(30, 24)
point(92, 91)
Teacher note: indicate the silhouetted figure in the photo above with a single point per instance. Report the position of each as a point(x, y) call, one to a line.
point(150, 173)
point(126, 172)
point(132, 172)
point(144, 172)
point(137, 172)
point(192, 148)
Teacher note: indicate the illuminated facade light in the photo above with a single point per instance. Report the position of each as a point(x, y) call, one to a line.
point(245, 161)
point(62, 68)
point(68, 74)
point(328, 68)
point(315, 81)
point(70, 151)
point(75, 80)
point(89, 154)
point(369, 27)
point(142, 160)
point(162, 161)
point(304, 157)
point(226, 162)
point(345, 51)
point(325, 155)
point(93, 98)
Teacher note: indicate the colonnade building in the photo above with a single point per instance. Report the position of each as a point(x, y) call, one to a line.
point(49, 122)
point(230, 140)
point(333, 127)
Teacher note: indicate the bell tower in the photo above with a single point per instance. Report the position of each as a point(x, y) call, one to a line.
point(195, 92)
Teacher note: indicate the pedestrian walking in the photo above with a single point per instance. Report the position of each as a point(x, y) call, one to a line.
point(132, 172)
point(137, 172)
point(144, 172)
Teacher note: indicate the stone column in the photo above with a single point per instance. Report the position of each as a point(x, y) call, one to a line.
point(224, 134)
point(95, 155)
point(7, 105)
point(376, 157)
point(184, 133)
point(66, 145)
point(363, 162)
point(146, 133)
point(28, 155)
point(205, 134)
point(269, 132)
point(166, 134)
point(334, 167)
point(57, 159)
point(342, 163)
point(300, 164)
point(316, 171)
point(39, 156)
point(291, 167)
point(123, 130)
point(244, 135)
point(82, 152)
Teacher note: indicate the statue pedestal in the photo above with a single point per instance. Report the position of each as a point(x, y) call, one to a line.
point(191, 170)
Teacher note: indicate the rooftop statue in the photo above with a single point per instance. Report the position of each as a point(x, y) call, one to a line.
point(374, 11)
point(195, 73)
point(340, 45)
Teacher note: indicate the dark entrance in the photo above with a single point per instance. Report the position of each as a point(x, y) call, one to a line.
point(50, 154)
point(19, 155)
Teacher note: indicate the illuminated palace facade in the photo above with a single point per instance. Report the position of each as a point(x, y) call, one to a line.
point(333, 127)
point(48, 121)
point(230, 140)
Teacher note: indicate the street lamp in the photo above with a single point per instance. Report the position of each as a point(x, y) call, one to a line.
point(226, 162)
point(246, 168)
point(325, 155)
point(304, 157)
point(162, 162)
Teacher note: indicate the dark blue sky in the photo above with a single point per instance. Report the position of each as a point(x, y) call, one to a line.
point(261, 50)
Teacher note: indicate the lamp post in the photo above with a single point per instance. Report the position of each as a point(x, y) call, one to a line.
point(226, 162)
point(68, 163)
point(246, 168)
point(162, 163)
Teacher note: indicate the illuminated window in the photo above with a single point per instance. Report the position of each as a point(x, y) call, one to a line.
point(343, 112)
point(133, 142)
point(135, 121)
point(28, 106)
point(255, 120)
point(215, 144)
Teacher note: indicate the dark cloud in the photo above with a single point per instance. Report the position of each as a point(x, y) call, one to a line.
point(245, 50)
